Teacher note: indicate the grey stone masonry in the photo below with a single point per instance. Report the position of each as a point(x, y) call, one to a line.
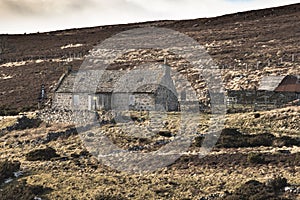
point(121, 90)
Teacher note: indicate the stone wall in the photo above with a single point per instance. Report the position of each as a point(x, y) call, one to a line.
point(62, 101)
point(268, 97)
point(68, 101)
point(56, 116)
point(165, 99)
point(144, 102)
point(162, 99)
point(74, 117)
point(120, 101)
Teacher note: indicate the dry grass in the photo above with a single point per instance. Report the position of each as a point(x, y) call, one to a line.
point(7, 122)
point(285, 121)
point(84, 177)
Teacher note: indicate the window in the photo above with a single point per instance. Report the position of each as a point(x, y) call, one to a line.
point(76, 100)
point(131, 100)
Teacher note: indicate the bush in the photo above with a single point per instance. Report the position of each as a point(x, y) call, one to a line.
point(297, 158)
point(231, 138)
point(256, 115)
point(7, 169)
point(21, 191)
point(256, 158)
point(8, 111)
point(254, 190)
point(165, 133)
point(108, 197)
point(199, 141)
point(42, 154)
point(285, 141)
point(248, 190)
point(25, 123)
point(277, 183)
point(264, 139)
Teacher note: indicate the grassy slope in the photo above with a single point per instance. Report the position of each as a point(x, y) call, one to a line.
point(231, 40)
point(189, 177)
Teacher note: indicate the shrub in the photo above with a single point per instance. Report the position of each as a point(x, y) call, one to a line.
point(256, 115)
point(165, 133)
point(21, 190)
point(277, 183)
point(25, 123)
point(285, 141)
point(256, 158)
point(254, 190)
point(247, 190)
point(7, 169)
point(199, 141)
point(108, 197)
point(42, 154)
point(4, 111)
point(297, 158)
point(265, 139)
point(231, 138)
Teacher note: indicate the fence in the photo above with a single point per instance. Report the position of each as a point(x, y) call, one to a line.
point(260, 64)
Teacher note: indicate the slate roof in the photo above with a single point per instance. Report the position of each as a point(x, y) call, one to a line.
point(86, 81)
point(108, 81)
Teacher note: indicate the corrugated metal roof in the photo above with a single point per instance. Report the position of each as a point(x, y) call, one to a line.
point(270, 83)
point(288, 83)
point(289, 88)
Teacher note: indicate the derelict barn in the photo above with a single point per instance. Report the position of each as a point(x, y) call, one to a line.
point(276, 90)
point(118, 90)
point(279, 89)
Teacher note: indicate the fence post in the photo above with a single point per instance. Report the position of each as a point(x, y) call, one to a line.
point(293, 57)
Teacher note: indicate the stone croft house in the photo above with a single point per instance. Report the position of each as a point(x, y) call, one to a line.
point(117, 90)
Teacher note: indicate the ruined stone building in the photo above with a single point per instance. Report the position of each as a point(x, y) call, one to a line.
point(276, 90)
point(117, 90)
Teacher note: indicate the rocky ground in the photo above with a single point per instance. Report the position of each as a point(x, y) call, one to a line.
point(51, 161)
